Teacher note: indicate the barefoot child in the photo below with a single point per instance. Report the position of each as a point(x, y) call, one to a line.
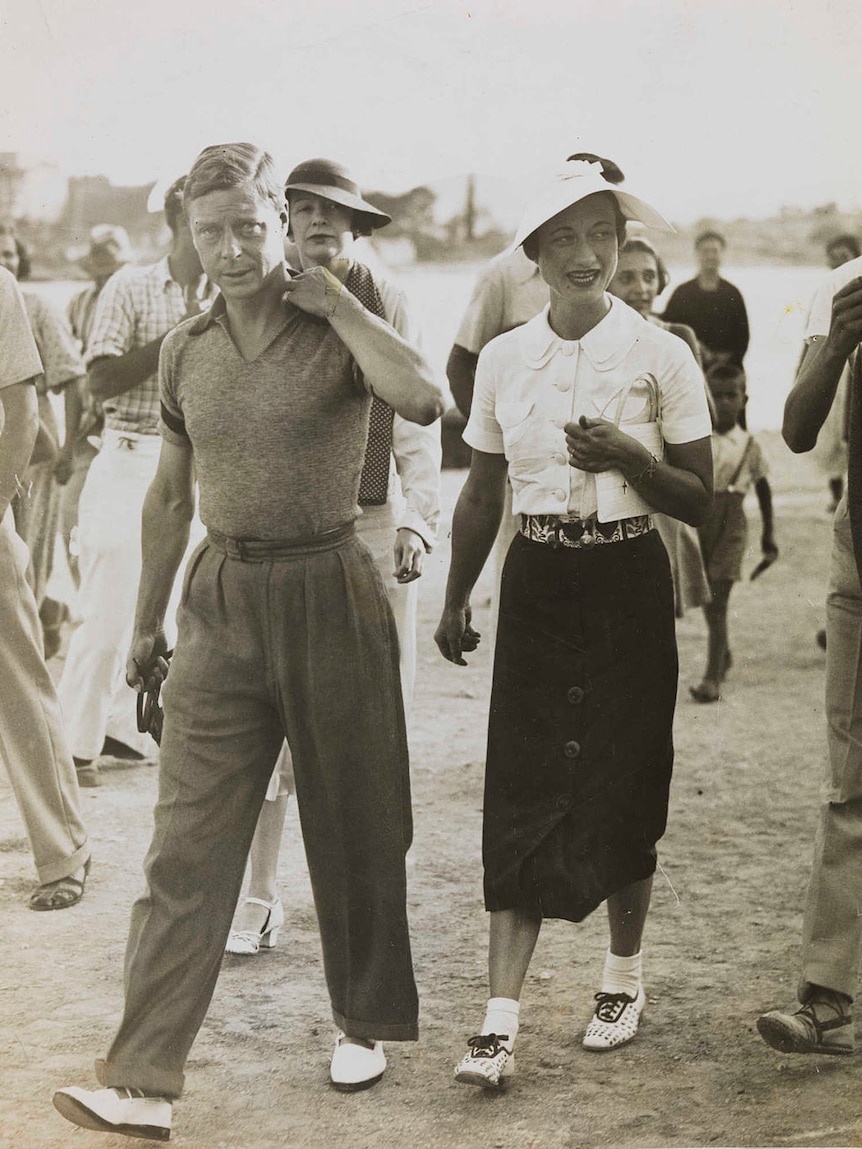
point(738, 463)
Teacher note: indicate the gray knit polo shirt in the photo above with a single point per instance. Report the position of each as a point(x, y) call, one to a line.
point(279, 441)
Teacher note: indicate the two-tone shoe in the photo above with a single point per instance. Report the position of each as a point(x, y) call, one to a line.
point(615, 1021)
point(124, 1111)
point(488, 1059)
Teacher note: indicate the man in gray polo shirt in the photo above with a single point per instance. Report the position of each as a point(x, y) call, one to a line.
point(284, 631)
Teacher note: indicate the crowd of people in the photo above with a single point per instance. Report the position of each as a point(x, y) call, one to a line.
point(262, 380)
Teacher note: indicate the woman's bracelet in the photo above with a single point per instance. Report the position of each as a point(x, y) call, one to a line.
point(648, 471)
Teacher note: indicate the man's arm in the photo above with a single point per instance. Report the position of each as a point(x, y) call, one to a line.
point(394, 370)
point(813, 393)
point(112, 375)
point(18, 429)
point(168, 509)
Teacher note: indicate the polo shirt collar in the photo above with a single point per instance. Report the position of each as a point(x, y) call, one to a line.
point(605, 346)
point(214, 312)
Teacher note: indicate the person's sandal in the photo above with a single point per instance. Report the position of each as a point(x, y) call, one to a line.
point(803, 1032)
point(62, 894)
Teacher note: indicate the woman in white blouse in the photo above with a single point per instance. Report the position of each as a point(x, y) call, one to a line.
point(599, 418)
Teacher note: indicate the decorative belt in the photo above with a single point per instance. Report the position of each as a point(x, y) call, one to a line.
point(582, 533)
point(266, 550)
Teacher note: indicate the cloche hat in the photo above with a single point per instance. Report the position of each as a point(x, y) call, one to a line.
point(577, 180)
point(333, 181)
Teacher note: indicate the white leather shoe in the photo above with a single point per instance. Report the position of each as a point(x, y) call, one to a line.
point(355, 1067)
point(116, 1111)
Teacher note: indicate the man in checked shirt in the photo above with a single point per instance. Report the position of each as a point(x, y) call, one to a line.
point(136, 310)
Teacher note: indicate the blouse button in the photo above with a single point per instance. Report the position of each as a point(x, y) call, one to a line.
point(564, 386)
point(563, 802)
point(559, 458)
point(560, 495)
point(572, 749)
point(575, 695)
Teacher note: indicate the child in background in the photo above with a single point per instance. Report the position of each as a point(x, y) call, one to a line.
point(738, 462)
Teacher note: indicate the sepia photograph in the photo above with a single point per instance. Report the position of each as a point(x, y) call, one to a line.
point(430, 551)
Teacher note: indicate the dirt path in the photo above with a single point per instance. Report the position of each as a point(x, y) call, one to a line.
point(721, 945)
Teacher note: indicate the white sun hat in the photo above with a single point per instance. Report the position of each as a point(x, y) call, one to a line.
point(577, 180)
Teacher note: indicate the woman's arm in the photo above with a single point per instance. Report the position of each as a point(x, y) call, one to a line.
point(475, 523)
point(679, 486)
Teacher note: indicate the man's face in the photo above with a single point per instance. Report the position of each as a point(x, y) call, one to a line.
point(709, 255)
point(9, 254)
point(239, 236)
point(322, 230)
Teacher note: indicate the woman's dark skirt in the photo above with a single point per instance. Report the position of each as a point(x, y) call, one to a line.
point(580, 746)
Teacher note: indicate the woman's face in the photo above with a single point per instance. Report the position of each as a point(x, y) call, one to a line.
point(577, 250)
point(9, 254)
point(636, 280)
point(322, 230)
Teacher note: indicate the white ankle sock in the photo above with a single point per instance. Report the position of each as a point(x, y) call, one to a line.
point(501, 1017)
point(622, 974)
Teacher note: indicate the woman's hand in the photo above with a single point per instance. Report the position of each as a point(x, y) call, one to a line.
point(455, 635)
point(596, 445)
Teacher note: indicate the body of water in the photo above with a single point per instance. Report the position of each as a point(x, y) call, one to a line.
point(777, 299)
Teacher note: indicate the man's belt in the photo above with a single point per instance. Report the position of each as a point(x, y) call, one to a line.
point(582, 534)
point(267, 550)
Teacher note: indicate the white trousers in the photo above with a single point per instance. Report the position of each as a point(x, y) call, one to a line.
point(93, 693)
point(33, 749)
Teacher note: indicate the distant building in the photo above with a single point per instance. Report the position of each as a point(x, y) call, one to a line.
point(94, 199)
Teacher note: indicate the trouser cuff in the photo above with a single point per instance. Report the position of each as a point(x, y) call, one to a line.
point(151, 1080)
point(375, 1030)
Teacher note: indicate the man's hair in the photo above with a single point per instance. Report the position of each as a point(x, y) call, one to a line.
point(225, 166)
point(531, 243)
point(845, 240)
point(638, 243)
point(174, 203)
point(612, 172)
point(727, 373)
point(705, 236)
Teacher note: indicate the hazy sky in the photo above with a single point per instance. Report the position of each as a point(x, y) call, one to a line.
point(712, 107)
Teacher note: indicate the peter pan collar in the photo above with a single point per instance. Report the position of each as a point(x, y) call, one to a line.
point(605, 346)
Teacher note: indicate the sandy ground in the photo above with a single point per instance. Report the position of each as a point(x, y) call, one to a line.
point(722, 941)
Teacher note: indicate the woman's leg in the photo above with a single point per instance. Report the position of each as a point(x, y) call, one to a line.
point(263, 865)
point(627, 911)
point(512, 941)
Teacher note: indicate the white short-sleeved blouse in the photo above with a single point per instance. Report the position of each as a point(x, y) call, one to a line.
point(530, 383)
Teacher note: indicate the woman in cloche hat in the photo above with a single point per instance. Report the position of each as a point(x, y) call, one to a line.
point(599, 418)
